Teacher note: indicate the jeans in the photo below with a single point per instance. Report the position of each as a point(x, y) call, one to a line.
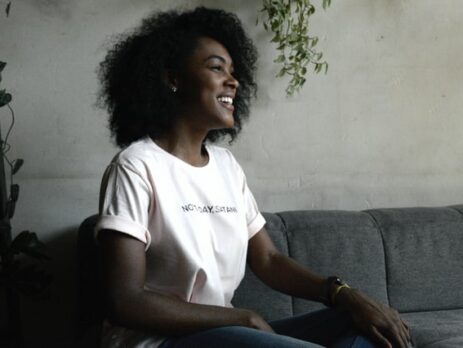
point(327, 328)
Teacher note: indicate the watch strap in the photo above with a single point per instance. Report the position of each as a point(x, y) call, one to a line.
point(330, 290)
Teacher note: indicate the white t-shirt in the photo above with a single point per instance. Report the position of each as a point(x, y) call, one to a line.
point(195, 221)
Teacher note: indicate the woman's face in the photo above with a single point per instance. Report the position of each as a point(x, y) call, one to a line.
point(206, 86)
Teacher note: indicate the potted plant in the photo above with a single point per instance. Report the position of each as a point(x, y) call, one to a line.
point(20, 257)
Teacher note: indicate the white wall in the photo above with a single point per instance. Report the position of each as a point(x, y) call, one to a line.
point(383, 128)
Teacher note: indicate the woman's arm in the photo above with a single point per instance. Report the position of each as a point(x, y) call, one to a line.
point(380, 322)
point(281, 272)
point(128, 304)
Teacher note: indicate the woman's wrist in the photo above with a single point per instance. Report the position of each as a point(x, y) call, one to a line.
point(335, 292)
point(345, 298)
point(330, 290)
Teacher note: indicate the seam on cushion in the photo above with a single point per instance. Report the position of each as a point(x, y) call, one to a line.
point(285, 226)
point(381, 233)
point(455, 209)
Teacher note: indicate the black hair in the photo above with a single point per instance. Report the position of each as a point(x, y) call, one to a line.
point(133, 86)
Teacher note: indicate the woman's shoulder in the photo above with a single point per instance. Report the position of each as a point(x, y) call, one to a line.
point(221, 153)
point(136, 154)
point(225, 157)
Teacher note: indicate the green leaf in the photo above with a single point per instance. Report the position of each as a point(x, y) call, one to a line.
point(274, 26)
point(17, 166)
point(30, 280)
point(280, 59)
point(314, 41)
point(27, 242)
point(8, 8)
point(281, 73)
point(311, 10)
point(5, 98)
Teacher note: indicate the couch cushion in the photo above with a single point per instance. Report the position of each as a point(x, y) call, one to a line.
point(458, 208)
point(436, 329)
point(255, 295)
point(424, 248)
point(341, 243)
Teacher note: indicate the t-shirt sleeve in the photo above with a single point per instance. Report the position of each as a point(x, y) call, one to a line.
point(254, 218)
point(124, 203)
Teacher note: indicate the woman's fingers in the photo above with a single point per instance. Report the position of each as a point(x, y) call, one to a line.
point(407, 329)
point(379, 338)
point(396, 333)
point(405, 332)
point(400, 329)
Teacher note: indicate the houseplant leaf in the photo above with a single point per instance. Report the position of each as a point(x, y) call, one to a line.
point(5, 98)
point(27, 242)
point(32, 281)
point(17, 165)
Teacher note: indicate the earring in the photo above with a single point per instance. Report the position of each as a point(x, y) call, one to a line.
point(174, 89)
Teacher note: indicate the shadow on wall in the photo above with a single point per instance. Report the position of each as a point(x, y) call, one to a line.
point(54, 8)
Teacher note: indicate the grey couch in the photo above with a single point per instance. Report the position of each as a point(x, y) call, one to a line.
point(410, 258)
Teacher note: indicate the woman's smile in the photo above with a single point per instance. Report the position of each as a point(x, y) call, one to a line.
point(226, 102)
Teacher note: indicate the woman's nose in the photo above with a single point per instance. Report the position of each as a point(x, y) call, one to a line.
point(232, 81)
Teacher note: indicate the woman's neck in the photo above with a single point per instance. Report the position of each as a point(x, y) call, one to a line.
point(186, 145)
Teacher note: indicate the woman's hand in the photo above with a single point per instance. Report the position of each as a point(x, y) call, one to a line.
point(379, 322)
point(255, 321)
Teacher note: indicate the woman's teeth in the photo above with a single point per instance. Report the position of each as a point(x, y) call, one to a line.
point(226, 100)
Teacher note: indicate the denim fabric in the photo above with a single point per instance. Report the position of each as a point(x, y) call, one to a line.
point(327, 327)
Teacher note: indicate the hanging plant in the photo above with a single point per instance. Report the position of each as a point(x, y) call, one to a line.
point(288, 21)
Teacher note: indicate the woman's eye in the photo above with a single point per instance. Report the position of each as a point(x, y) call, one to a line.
point(217, 67)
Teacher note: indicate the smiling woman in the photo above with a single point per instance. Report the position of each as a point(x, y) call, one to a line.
point(135, 74)
point(177, 220)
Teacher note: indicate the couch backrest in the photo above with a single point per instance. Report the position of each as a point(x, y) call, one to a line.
point(424, 257)
point(347, 244)
point(411, 258)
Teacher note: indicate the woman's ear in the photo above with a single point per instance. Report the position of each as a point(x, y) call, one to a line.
point(171, 80)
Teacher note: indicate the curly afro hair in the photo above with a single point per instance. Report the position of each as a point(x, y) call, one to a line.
point(132, 75)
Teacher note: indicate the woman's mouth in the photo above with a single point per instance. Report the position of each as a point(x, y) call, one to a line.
point(226, 102)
